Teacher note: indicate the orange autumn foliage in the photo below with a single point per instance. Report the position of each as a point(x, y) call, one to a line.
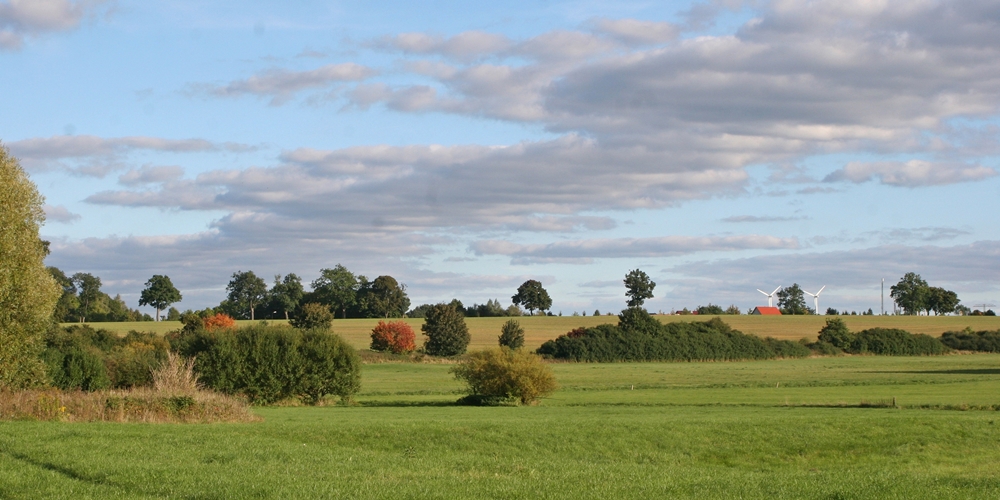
point(220, 321)
point(394, 336)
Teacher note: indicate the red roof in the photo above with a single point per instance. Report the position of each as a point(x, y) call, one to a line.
point(766, 311)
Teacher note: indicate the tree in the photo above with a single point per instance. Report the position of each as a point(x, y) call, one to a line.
point(286, 293)
point(791, 300)
point(532, 296)
point(89, 297)
point(67, 303)
point(910, 293)
point(447, 334)
point(159, 294)
point(312, 316)
point(500, 375)
point(511, 335)
point(941, 301)
point(387, 298)
point(638, 287)
point(329, 365)
point(28, 293)
point(337, 288)
point(394, 336)
point(246, 292)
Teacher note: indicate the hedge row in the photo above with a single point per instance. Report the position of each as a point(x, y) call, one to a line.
point(270, 363)
point(79, 357)
point(968, 340)
point(835, 336)
point(640, 337)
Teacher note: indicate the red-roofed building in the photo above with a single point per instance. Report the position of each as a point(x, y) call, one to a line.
point(766, 311)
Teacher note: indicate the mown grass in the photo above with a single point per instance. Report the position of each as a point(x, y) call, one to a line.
point(539, 329)
point(628, 430)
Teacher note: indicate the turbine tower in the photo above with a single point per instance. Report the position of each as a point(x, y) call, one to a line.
point(815, 297)
point(770, 296)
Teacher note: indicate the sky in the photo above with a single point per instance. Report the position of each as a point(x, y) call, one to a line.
point(463, 148)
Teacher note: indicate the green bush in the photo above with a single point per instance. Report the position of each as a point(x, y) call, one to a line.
point(511, 335)
point(79, 357)
point(895, 342)
point(447, 334)
point(76, 368)
point(787, 348)
point(640, 337)
point(968, 340)
point(312, 316)
point(836, 333)
point(502, 375)
point(270, 363)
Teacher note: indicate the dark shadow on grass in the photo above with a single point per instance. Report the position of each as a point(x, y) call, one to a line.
point(978, 371)
point(404, 404)
point(99, 480)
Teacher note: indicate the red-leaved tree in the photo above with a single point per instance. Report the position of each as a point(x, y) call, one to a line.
point(220, 321)
point(394, 336)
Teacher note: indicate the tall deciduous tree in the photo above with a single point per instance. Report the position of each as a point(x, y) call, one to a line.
point(532, 296)
point(159, 294)
point(337, 288)
point(246, 291)
point(387, 298)
point(638, 287)
point(910, 293)
point(28, 293)
point(941, 301)
point(447, 334)
point(89, 295)
point(791, 300)
point(286, 293)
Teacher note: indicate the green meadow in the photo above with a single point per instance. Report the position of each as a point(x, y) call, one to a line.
point(804, 428)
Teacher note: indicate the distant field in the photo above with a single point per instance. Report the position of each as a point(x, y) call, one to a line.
point(538, 329)
point(763, 429)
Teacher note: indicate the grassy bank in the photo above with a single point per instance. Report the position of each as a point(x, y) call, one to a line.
point(766, 429)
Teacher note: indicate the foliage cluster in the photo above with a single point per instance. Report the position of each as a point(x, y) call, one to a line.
point(836, 337)
point(511, 335)
point(395, 336)
point(446, 331)
point(640, 337)
point(81, 358)
point(270, 363)
point(312, 316)
point(914, 295)
point(81, 300)
point(502, 375)
point(532, 295)
point(968, 340)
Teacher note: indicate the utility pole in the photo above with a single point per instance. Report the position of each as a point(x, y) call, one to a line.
point(882, 310)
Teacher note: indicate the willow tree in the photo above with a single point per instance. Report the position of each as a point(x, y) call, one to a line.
point(28, 293)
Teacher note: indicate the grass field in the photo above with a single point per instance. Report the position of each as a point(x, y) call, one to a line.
point(766, 429)
point(538, 329)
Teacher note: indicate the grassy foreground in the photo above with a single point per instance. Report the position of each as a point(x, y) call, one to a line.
point(539, 329)
point(648, 430)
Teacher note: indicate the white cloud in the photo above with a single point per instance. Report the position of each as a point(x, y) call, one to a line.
point(282, 85)
point(585, 251)
point(150, 174)
point(20, 19)
point(638, 32)
point(59, 213)
point(913, 173)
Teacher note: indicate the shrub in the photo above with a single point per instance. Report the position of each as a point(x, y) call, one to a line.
point(511, 335)
point(447, 334)
point(271, 363)
point(639, 337)
point(220, 321)
point(329, 366)
point(501, 375)
point(968, 340)
point(394, 336)
point(76, 368)
point(787, 348)
point(312, 316)
point(895, 342)
point(836, 333)
point(175, 375)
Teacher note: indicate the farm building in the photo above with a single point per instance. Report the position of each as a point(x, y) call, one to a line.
point(766, 311)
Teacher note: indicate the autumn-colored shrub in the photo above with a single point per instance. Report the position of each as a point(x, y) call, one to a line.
point(220, 321)
point(394, 336)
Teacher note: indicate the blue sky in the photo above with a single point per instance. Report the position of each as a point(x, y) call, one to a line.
point(464, 148)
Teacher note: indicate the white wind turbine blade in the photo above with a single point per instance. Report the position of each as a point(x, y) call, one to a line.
point(820, 290)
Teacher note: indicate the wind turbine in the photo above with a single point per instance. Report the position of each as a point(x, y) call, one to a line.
point(816, 298)
point(770, 296)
